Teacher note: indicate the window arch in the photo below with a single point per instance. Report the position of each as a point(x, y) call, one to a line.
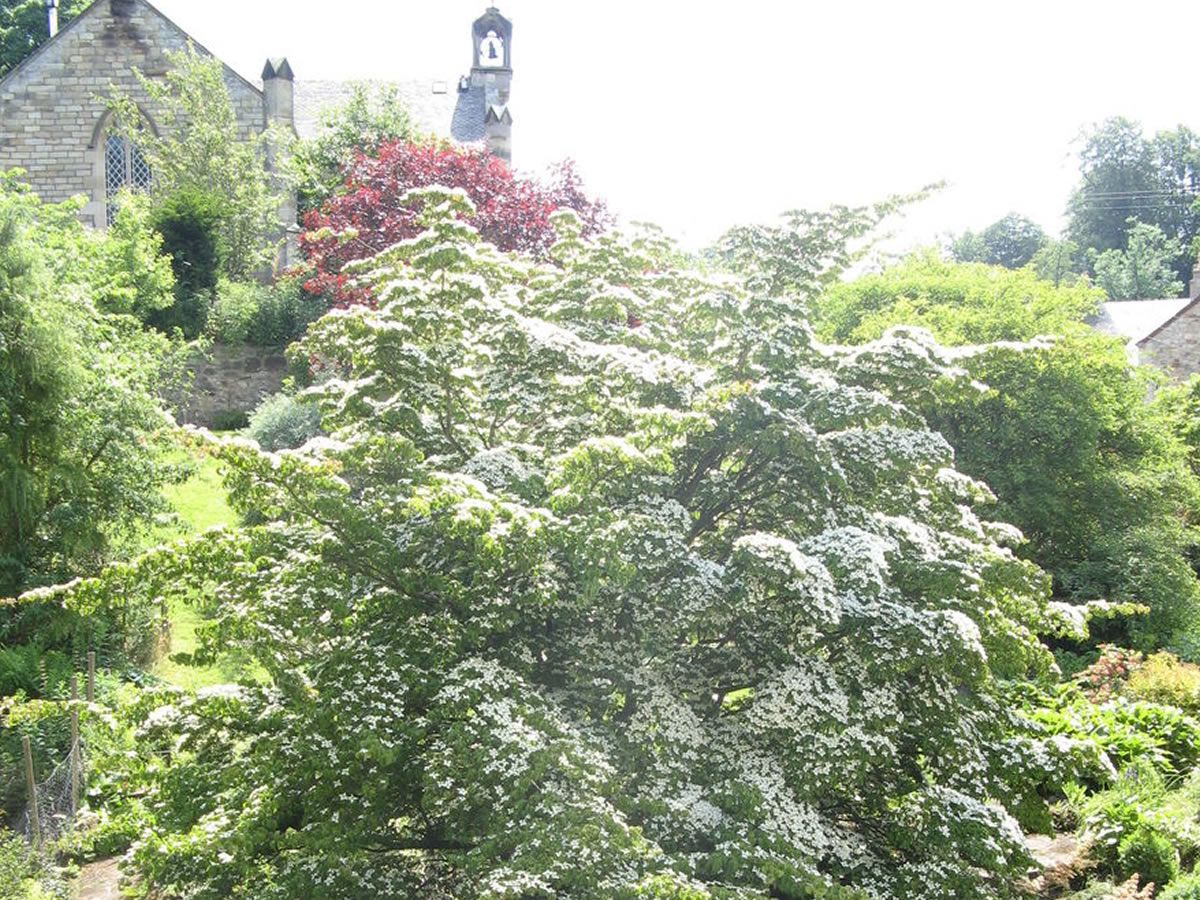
point(119, 164)
point(125, 166)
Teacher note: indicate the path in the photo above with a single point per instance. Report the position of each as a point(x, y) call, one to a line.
point(99, 880)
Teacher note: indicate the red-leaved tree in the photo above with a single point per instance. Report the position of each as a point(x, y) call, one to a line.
point(513, 211)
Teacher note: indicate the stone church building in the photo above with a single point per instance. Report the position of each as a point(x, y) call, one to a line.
point(55, 125)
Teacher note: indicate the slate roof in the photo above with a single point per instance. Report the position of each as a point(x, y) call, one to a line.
point(437, 106)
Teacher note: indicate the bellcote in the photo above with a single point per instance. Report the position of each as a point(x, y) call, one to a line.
point(491, 41)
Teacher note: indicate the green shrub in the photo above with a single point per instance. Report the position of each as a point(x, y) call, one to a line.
point(1071, 662)
point(110, 835)
point(1149, 855)
point(25, 875)
point(188, 221)
point(233, 309)
point(1164, 678)
point(285, 314)
point(283, 421)
point(1130, 732)
point(230, 420)
point(32, 669)
point(262, 315)
point(1114, 819)
point(46, 725)
point(127, 269)
point(1178, 734)
point(1186, 646)
point(1185, 888)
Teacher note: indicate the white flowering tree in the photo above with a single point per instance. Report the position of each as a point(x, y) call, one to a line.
point(611, 583)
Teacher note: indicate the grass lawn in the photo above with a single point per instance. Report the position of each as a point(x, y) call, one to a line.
point(175, 668)
point(199, 503)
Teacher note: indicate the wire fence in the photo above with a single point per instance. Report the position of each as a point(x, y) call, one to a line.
point(53, 803)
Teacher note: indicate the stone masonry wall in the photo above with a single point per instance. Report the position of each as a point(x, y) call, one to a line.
point(1176, 347)
point(52, 113)
point(230, 379)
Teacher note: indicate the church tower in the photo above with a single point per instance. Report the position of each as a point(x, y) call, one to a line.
point(491, 70)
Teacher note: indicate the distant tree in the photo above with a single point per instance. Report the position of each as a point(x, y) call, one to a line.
point(1058, 262)
point(1177, 153)
point(24, 26)
point(1010, 242)
point(1117, 172)
point(961, 303)
point(1013, 240)
point(1124, 176)
point(968, 247)
point(1143, 271)
point(1061, 430)
point(369, 214)
point(370, 118)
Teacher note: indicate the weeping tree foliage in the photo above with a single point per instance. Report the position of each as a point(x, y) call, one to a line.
point(78, 410)
point(609, 582)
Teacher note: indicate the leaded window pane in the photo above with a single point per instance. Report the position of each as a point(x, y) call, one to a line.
point(114, 172)
point(124, 166)
point(139, 169)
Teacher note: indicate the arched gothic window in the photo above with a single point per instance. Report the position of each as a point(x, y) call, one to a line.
point(125, 166)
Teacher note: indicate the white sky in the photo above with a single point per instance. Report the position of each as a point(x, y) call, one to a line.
point(700, 115)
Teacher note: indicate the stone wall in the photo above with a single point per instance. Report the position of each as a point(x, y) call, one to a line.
point(229, 379)
point(1176, 346)
point(53, 117)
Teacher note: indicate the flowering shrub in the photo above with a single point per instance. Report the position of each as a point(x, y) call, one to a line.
point(569, 608)
point(369, 215)
point(1109, 674)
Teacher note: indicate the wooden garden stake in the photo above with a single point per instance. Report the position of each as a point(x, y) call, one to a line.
point(35, 821)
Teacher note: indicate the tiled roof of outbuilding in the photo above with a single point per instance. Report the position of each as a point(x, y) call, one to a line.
point(1136, 320)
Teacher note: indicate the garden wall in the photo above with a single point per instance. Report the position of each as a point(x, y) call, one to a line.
point(229, 378)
